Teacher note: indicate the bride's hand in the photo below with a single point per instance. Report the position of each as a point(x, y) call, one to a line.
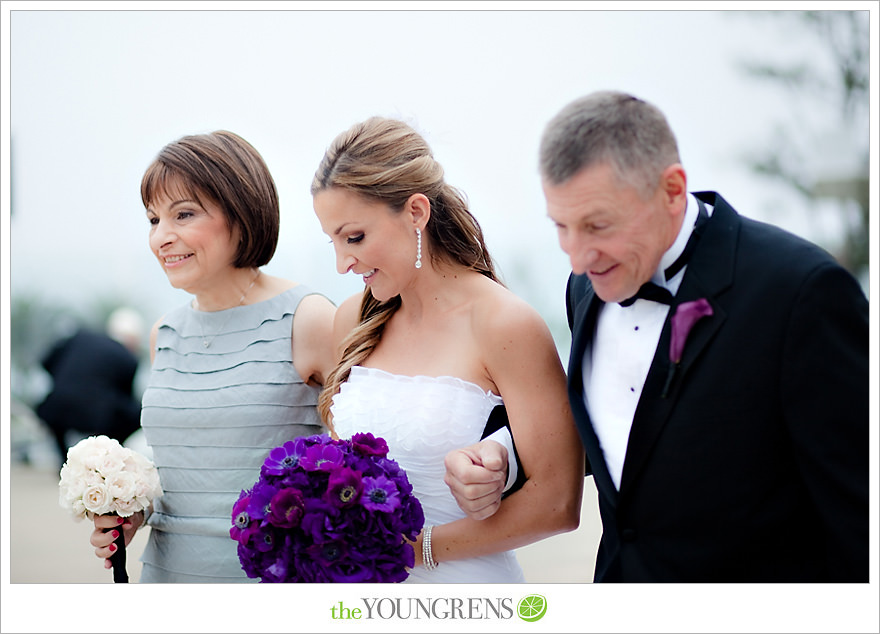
point(476, 476)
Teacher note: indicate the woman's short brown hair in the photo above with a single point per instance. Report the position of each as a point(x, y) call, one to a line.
point(226, 169)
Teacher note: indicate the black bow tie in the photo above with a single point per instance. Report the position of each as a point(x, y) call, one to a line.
point(656, 293)
point(652, 292)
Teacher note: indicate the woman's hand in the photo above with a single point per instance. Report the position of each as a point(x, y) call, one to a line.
point(103, 542)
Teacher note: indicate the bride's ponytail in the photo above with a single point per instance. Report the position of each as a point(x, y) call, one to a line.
point(356, 347)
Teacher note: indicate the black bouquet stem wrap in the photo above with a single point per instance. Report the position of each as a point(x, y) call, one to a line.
point(118, 558)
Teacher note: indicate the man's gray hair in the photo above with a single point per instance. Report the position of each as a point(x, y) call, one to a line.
point(609, 127)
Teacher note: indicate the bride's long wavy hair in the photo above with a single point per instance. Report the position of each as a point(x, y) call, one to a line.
point(386, 160)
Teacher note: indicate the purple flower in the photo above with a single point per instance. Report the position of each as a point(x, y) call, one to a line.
point(265, 539)
point(250, 561)
point(296, 479)
point(240, 517)
point(410, 516)
point(308, 569)
point(261, 498)
point(321, 458)
point(286, 509)
point(349, 570)
point(392, 470)
point(686, 315)
point(380, 494)
point(344, 487)
point(369, 445)
point(321, 522)
point(277, 571)
point(328, 553)
point(284, 458)
point(388, 566)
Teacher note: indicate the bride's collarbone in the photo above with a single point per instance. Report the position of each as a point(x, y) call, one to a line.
point(427, 347)
point(429, 359)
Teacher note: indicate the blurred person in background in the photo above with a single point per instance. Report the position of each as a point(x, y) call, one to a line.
point(235, 372)
point(93, 376)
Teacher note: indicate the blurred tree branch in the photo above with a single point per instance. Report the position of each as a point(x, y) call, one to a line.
point(835, 76)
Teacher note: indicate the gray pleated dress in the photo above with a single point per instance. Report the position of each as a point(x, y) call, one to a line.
point(211, 415)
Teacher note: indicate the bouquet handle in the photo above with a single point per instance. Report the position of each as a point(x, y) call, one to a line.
point(118, 558)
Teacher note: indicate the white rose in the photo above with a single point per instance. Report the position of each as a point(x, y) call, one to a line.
point(102, 444)
point(154, 484)
point(77, 453)
point(121, 485)
point(96, 499)
point(73, 473)
point(136, 461)
point(142, 489)
point(78, 509)
point(139, 462)
point(149, 485)
point(89, 451)
point(73, 484)
point(77, 486)
point(67, 495)
point(127, 507)
point(65, 499)
point(112, 461)
point(71, 487)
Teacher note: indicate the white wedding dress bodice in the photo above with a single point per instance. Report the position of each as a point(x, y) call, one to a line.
point(422, 419)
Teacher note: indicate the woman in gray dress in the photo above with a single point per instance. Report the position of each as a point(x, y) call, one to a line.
point(235, 372)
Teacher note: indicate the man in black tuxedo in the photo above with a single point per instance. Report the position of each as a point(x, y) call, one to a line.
point(93, 377)
point(718, 372)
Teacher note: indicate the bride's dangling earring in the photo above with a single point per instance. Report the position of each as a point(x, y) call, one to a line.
point(419, 248)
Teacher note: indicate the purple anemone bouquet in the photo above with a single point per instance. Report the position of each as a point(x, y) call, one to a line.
point(326, 510)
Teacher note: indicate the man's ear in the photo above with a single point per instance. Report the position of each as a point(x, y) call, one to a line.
point(673, 184)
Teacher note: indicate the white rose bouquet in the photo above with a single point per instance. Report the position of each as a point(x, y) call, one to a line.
point(101, 477)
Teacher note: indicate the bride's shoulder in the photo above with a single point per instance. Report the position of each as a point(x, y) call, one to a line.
point(511, 335)
point(498, 311)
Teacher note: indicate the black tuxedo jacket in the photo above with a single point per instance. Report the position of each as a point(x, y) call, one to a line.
point(754, 466)
point(93, 380)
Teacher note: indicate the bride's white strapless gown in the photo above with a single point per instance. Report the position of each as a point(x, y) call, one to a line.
point(422, 419)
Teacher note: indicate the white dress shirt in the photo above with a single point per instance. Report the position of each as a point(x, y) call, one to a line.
point(616, 365)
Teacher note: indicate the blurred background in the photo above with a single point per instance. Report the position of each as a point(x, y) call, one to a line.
point(771, 109)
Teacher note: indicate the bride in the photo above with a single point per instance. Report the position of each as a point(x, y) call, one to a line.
point(433, 345)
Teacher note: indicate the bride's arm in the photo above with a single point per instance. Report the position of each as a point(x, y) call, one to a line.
point(521, 359)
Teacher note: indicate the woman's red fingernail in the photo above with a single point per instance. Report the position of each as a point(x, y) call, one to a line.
point(115, 534)
point(119, 520)
point(112, 548)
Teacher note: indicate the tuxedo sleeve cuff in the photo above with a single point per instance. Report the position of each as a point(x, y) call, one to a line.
point(503, 438)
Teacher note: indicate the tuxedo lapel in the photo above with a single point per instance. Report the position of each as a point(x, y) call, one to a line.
point(709, 272)
point(584, 307)
point(583, 310)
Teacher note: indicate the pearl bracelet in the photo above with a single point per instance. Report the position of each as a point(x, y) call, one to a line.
point(427, 552)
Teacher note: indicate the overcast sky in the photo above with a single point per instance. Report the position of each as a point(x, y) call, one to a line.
point(96, 89)
point(95, 94)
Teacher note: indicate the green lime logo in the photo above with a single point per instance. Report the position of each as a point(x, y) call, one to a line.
point(532, 608)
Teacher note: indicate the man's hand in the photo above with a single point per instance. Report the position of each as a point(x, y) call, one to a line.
point(476, 475)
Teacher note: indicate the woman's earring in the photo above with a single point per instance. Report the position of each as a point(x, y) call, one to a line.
point(419, 247)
